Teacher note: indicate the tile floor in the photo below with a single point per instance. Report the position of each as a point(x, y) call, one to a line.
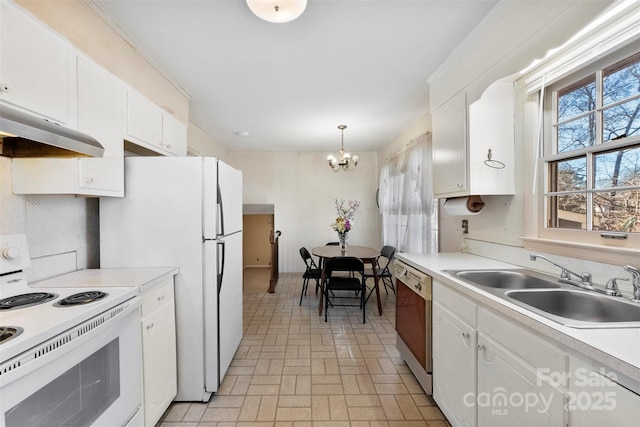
point(294, 370)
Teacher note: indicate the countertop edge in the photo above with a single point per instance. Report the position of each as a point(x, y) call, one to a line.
point(434, 264)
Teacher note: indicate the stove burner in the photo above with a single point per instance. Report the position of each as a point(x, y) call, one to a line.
point(25, 300)
point(8, 332)
point(81, 298)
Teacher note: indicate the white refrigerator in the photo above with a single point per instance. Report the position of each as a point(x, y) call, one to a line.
point(185, 212)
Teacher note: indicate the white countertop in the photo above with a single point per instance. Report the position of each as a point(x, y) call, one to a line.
point(142, 278)
point(616, 348)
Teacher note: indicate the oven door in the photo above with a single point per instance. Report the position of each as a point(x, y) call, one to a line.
point(94, 379)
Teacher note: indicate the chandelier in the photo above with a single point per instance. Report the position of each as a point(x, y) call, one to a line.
point(277, 11)
point(345, 162)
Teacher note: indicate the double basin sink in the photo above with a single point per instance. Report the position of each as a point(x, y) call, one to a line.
point(546, 296)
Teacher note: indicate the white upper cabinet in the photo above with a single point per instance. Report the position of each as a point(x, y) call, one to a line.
point(144, 120)
point(174, 135)
point(38, 67)
point(491, 141)
point(449, 124)
point(99, 115)
point(151, 128)
point(462, 164)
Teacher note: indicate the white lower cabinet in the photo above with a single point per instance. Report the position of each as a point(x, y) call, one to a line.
point(160, 383)
point(601, 397)
point(488, 371)
point(521, 378)
point(454, 366)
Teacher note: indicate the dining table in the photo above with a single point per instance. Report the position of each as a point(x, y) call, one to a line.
point(364, 253)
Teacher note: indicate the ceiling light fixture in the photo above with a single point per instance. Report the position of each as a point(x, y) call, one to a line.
point(346, 162)
point(277, 11)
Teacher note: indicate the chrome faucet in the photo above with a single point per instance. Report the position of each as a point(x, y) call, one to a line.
point(635, 273)
point(565, 274)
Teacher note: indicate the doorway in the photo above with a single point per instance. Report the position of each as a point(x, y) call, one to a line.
point(257, 225)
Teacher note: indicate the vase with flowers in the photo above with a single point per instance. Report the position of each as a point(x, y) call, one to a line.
point(344, 221)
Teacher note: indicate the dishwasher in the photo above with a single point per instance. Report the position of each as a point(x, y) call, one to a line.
point(413, 321)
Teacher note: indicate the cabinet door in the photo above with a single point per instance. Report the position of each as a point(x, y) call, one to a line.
point(449, 124)
point(101, 177)
point(99, 115)
point(596, 400)
point(159, 357)
point(513, 393)
point(38, 67)
point(454, 366)
point(144, 120)
point(174, 135)
point(491, 128)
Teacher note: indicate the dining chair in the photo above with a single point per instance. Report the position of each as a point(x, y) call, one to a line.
point(338, 287)
point(311, 272)
point(384, 272)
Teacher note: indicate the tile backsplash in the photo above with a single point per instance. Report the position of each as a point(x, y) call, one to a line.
point(62, 230)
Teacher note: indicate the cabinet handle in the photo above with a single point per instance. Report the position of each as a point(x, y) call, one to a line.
point(481, 347)
point(465, 335)
point(4, 88)
point(459, 185)
point(149, 326)
point(160, 298)
point(89, 180)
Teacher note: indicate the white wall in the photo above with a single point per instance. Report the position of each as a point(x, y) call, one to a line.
point(419, 127)
point(302, 188)
point(201, 144)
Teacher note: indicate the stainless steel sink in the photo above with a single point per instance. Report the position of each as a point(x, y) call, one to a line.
point(580, 306)
point(505, 279)
point(546, 296)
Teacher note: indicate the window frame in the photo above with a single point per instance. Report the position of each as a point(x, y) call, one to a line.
point(570, 239)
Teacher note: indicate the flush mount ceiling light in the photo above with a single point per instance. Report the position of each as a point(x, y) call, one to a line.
point(345, 162)
point(277, 11)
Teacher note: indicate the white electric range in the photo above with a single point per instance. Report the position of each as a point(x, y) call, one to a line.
point(68, 355)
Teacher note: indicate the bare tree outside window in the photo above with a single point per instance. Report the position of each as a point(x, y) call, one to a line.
point(600, 189)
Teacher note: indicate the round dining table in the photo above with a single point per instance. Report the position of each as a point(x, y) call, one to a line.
point(366, 254)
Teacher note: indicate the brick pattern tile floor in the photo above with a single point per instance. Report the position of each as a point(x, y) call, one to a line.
point(294, 370)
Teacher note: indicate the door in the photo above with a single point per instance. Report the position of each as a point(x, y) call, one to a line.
point(230, 199)
point(230, 299)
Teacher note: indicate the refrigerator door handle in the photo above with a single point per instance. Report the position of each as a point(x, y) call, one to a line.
point(220, 211)
point(221, 243)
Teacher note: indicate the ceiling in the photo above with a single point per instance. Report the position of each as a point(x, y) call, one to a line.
point(362, 63)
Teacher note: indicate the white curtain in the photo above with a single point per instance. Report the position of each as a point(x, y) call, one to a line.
point(409, 212)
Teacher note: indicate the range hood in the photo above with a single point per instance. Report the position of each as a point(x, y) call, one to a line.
point(24, 128)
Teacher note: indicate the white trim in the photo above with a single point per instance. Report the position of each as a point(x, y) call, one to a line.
point(618, 26)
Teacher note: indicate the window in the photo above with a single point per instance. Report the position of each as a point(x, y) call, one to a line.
point(593, 168)
point(408, 210)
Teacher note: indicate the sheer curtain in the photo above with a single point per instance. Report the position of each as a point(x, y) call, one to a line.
point(409, 212)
